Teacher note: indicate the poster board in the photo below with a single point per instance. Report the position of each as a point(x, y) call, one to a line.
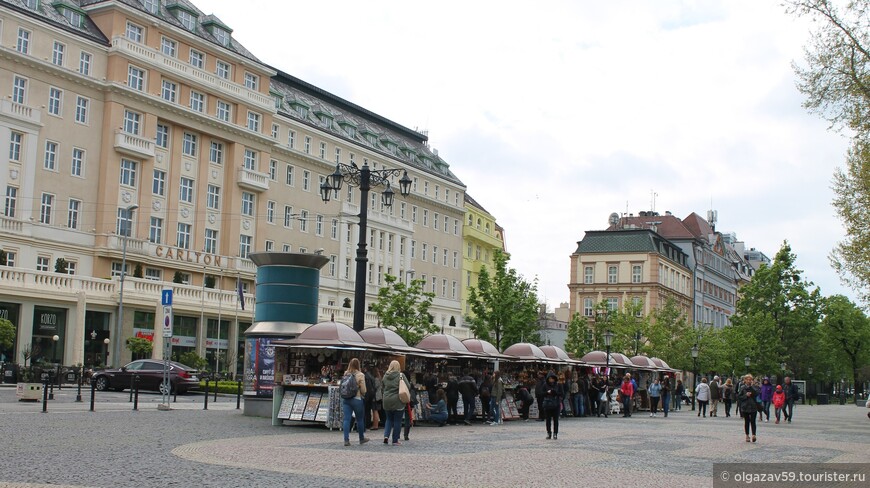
point(311, 406)
point(299, 406)
point(286, 405)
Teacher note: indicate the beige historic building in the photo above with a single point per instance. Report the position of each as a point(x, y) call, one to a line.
point(481, 238)
point(145, 126)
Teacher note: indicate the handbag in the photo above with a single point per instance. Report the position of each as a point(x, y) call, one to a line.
point(404, 393)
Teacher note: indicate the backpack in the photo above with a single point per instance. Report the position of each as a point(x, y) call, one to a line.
point(348, 388)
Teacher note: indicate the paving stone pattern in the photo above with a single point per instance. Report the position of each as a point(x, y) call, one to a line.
point(116, 447)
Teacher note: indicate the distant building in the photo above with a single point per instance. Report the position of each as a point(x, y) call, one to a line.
point(553, 331)
point(481, 237)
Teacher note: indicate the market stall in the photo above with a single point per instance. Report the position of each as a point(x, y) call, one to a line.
point(457, 360)
point(509, 408)
point(530, 363)
point(645, 371)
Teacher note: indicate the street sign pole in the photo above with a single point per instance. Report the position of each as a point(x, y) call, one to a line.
point(166, 385)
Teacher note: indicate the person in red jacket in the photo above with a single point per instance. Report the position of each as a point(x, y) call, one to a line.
point(627, 391)
point(778, 401)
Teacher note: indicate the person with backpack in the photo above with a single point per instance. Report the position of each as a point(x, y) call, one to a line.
point(394, 407)
point(485, 392)
point(352, 390)
point(552, 401)
point(408, 419)
point(468, 390)
point(728, 396)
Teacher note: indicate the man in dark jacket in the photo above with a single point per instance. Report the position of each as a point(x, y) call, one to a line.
point(452, 397)
point(468, 390)
point(791, 396)
point(369, 398)
point(595, 394)
point(552, 402)
point(539, 395)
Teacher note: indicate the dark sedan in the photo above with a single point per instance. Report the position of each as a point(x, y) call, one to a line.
point(150, 373)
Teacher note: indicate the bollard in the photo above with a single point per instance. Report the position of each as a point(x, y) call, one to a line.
point(205, 404)
point(132, 385)
point(175, 395)
point(215, 390)
point(81, 376)
point(44, 397)
point(50, 387)
point(136, 397)
point(93, 393)
point(59, 377)
point(239, 395)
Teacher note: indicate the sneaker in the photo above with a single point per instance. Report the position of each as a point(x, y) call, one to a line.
point(397, 443)
point(346, 443)
point(385, 440)
point(652, 415)
point(363, 440)
point(555, 436)
point(549, 436)
point(466, 422)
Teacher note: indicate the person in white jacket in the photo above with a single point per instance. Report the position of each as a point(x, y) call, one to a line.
point(702, 393)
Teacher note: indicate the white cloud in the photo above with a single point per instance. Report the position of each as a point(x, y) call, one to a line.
point(586, 106)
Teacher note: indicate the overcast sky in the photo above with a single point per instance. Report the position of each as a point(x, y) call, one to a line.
point(555, 115)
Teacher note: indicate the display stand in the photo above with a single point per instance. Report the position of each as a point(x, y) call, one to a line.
point(309, 403)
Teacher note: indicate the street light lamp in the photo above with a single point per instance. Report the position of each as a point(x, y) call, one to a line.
point(812, 383)
point(694, 372)
point(365, 179)
point(608, 340)
point(106, 362)
point(747, 360)
point(637, 343)
point(125, 234)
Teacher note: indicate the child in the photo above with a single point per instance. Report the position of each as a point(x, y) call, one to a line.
point(778, 401)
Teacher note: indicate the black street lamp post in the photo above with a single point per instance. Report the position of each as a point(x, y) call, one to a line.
point(365, 179)
point(694, 373)
point(747, 360)
point(608, 340)
point(811, 389)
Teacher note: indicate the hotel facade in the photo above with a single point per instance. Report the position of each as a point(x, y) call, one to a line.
point(142, 132)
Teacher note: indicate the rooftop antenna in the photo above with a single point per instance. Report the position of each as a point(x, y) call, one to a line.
point(653, 196)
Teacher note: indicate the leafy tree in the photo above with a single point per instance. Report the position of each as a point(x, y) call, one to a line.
point(836, 82)
point(405, 309)
point(193, 360)
point(61, 266)
point(140, 347)
point(2, 258)
point(670, 336)
point(178, 278)
point(504, 306)
point(209, 281)
point(575, 343)
point(845, 331)
point(137, 271)
point(7, 334)
point(777, 316)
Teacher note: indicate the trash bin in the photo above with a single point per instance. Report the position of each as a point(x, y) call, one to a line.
point(822, 398)
point(10, 373)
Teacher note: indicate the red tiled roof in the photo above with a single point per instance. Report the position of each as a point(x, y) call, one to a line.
point(667, 226)
point(697, 225)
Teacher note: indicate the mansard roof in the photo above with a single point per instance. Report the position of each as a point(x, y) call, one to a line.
point(698, 226)
point(630, 241)
point(48, 12)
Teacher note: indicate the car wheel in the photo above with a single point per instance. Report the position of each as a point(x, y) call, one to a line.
point(101, 383)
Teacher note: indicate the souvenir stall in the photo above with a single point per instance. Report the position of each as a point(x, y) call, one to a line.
point(567, 368)
point(645, 370)
point(457, 358)
point(509, 410)
point(529, 362)
point(308, 370)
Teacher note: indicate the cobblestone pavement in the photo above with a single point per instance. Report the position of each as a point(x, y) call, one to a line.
point(116, 447)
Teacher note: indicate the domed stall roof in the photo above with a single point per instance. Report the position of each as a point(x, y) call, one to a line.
point(643, 362)
point(389, 339)
point(557, 353)
point(599, 358)
point(445, 344)
point(525, 351)
point(329, 334)
point(662, 365)
point(483, 347)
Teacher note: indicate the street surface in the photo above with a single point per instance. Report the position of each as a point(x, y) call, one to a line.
point(117, 447)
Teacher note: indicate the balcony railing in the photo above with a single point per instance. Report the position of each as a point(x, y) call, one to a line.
point(21, 112)
point(253, 180)
point(133, 145)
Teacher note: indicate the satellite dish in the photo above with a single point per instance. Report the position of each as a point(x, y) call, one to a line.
point(613, 219)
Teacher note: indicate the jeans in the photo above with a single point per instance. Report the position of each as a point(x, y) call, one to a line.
point(702, 407)
point(749, 422)
point(727, 408)
point(765, 407)
point(552, 415)
point(393, 425)
point(678, 402)
point(353, 407)
point(789, 410)
point(439, 418)
point(468, 405)
point(580, 404)
point(495, 410)
point(666, 403)
point(407, 420)
point(778, 411)
point(626, 406)
point(654, 404)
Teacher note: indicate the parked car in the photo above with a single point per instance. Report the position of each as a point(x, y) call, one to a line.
point(150, 371)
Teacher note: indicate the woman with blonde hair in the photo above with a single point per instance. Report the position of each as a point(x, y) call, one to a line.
point(354, 406)
point(746, 397)
point(393, 406)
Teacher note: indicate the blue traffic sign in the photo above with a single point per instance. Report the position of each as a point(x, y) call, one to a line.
point(166, 297)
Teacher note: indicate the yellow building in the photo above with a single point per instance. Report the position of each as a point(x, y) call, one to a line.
point(481, 237)
point(142, 131)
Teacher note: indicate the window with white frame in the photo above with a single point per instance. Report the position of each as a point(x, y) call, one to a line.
point(612, 274)
point(322, 150)
point(71, 267)
point(303, 221)
point(270, 212)
point(222, 69)
point(587, 307)
point(423, 248)
point(637, 304)
point(11, 258)
point(55, 100)
point(182, 236)
point(216, 153)
point(275, 130)
point(45, 207)
point(333, 230)
point(19, 90)
point(82, 105)
point(222, 36)
point(22, 43)
point(269, 245)
point(318, 225)
point(169, 91)
point(189, 144)
point(42, 263)
point(253, 121)
point(291, 139)
point(49, 162)
point(153, 274)
point(435, 220)
point(155, 230)
point(306, 180)
point(223, 111)
point(273, 170)
point(162, 139)
point(413, 249)
point(151, 5)
point(77, 162)
point(11, 201)
point(168, 47)
point(337, 154)
point(134, 32)
point(252, 81)
point(187, 19)
point(213, 200)
point(73, 210)
point(85, 63)
point(247, 204)
point(288, 216)
point(250, 159)
point(124, 222)
point(196, 59)
point(132, 122)
point(197, 101)
point(244, 246)
point(307, 145)
point(613, 304)
point(58, 51)
point(185, 190)
point(425, 218)
point(636, 273)
point(135, 78)
point(588, 275)
point(211, 239)
point(128, 172)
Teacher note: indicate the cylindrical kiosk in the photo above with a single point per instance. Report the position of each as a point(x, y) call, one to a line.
point(287, 289)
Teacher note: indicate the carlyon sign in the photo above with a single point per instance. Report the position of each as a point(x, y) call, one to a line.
point(184, 341)
point(188, 256)
point(147, 334)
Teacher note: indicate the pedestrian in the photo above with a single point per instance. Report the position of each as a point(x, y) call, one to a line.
point(393, 406)
point(408, 415)
point(778, 401)
point(766, 397)
point(595, 394)
point(496, 396)
point(626, 390)
point(582, 396)
point(452, 398)
point(468, 390)
point(746, 396)
point(679, 393)
point(666, 394)
point(604, 397)
point(715, 396)
point(485, 392)
point(702, 394)
point(525, 399)
point(727, 396)
point(354, 406)
point(634, 399)
point(575, 394)
point(791, 396)
point(438, 412)
point(539, 395)
point(655, 393)
point(379, 400)
point(369, 397)
point(552, 400)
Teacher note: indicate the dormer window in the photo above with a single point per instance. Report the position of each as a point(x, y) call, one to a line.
point(300, 108)
point(325, 119)
point(152, 6)
point(349, 129)
point(32, 4)
point(186, 17)
point(74, 16)
point(278, 99)
point(222, 36)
